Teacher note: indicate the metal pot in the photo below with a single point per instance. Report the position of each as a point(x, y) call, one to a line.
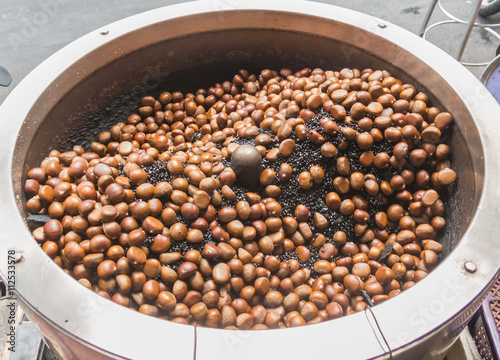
point(85, 84)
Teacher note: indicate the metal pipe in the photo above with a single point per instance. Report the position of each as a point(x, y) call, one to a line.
point(469, 30)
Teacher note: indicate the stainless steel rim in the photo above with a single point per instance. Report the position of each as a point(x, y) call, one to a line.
point(402, 320)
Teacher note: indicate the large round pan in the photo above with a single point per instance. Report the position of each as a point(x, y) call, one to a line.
point(100, 77)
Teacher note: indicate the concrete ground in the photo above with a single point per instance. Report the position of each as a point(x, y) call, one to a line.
point(30, 31)
point(33, 30)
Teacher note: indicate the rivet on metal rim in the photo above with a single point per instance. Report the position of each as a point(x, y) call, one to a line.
point(382, 25)
point(18, 257)
point(470, 267)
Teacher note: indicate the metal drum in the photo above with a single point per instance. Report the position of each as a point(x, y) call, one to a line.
point(491, 77)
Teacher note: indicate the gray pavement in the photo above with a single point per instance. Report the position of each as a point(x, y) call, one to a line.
point(32, 30)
